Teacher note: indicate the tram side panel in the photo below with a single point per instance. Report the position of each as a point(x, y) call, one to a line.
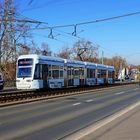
point(74, 74)
point(51, 75)
point(101, 73)
point(111, 74)
point(56, 76)
point(90, 74)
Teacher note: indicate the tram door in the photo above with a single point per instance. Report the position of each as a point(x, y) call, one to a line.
point(70, 76)
point(81, 74)
point(45, 75)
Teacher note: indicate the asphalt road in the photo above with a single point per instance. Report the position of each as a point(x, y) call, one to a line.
point(123, 125)
point(56, 119)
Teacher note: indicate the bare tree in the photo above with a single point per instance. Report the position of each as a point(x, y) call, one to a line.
point(34, 49)
point(43, 50)
point(12, 38)
point(65, 53)
point(85, 51)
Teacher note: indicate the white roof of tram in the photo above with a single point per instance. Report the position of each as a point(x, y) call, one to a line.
point(101, 66)
point(43, 59)
point(74, 63)
point(111, 68)
point(90, 65)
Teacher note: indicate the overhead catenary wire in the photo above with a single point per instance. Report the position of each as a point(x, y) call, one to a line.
point(22, 20)
point(88, 22)
point(30, 2)
point(17, 19)
point(110, 18)
point(74, 25)
point(74, 33)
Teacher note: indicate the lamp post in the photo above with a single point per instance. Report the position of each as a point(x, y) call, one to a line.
point(121, 72)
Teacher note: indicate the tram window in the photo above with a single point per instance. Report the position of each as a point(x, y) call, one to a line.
point(88, 73)
point(50, 71)
point(103, 73)
point(91, 73)
point(61, 72)
point(99, 73)
point(81, 71)
point(0, 77)
point(24, 72)
point(55, 72)
point(44, 71)
point(25, 62)
point(70, 70)
point(110, 74)
point(76, 73)
point(37, 74)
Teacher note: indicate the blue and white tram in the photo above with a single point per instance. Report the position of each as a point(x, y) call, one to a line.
point(110, 74)
point(74, 75)
point(101, 74)
point(90, 73)
point(38, 72)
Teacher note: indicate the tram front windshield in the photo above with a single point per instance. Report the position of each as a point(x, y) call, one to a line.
point(24, 72)
point(24, 68)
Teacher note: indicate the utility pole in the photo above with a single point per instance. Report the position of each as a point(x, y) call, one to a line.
point(102, 57)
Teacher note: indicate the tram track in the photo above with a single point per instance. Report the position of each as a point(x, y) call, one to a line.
point(20, 97)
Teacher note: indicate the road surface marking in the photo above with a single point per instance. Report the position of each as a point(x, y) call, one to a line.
point(119, 93)
point(76, 104)
point(88, 101)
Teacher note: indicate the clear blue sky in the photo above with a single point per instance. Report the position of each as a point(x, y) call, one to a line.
point(115, 37)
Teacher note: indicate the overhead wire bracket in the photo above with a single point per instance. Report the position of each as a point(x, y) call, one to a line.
point(51, 34)
point(74, 33)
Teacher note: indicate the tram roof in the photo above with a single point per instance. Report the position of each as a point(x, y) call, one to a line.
point(90, 64)
point(71, 62)
point(111, 68)
point(35, 56)
point(101, 66)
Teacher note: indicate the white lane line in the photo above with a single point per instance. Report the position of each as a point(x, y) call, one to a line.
point(76, 104)
point(88, 101)
point(119, 93)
